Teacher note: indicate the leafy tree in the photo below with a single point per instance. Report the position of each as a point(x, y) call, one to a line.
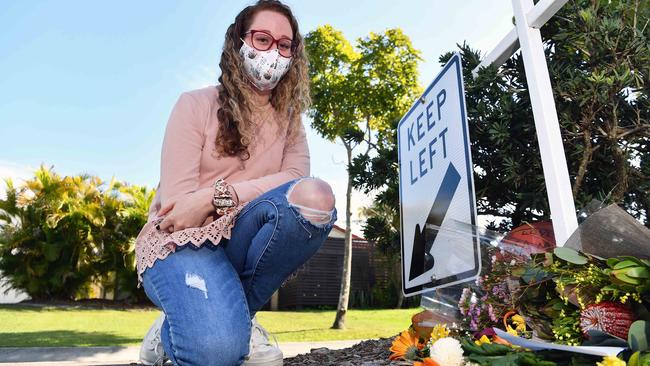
point(598, 54)
point(49, 252)
point(598, 58)
point(126, 208)
point(356, 92)
point(378, 172)
point(600, 62)
point(58, 234)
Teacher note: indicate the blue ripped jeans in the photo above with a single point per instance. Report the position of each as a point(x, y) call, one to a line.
point(210, 294)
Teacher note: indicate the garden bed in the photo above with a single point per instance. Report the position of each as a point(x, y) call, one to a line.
point(372, 352)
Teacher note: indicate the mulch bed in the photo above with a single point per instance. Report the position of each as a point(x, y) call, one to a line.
point(373, 352)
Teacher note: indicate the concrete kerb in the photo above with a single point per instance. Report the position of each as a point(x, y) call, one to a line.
point(47, 356)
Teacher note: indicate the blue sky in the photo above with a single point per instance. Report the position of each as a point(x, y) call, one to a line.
point(88, 86)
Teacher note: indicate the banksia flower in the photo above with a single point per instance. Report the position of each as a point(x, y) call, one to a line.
point(607, 316)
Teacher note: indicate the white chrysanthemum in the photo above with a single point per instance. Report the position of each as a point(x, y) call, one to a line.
point(447, 351)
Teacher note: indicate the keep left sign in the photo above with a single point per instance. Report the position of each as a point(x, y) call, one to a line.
point(437, 187)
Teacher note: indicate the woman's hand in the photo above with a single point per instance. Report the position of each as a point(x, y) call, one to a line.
point(190, 210)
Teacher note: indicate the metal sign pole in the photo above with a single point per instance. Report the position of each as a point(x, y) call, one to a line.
point(556, 174)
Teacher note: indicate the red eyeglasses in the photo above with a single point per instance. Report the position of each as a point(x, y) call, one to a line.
point(263, 41)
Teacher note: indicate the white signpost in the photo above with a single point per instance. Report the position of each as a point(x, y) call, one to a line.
point(436, 186)
point(527, 37)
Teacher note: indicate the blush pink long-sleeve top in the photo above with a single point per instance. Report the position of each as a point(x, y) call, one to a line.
point(189, 162)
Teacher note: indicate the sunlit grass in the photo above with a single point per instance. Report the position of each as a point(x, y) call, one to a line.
point(22, 326)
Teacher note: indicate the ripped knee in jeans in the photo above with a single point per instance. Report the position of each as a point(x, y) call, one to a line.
point(314, 199)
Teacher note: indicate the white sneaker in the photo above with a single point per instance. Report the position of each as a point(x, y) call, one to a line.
point(151, 351)
point(262, 352)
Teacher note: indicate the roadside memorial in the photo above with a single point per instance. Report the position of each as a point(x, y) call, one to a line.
point(557, 307)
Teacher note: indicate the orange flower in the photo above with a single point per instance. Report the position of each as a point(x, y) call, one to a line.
point(428, 361)
point(499, 340)
point(405, 346)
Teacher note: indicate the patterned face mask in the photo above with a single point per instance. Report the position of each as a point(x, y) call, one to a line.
point(264, 68)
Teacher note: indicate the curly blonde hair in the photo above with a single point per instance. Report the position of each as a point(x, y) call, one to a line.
point(289, 98)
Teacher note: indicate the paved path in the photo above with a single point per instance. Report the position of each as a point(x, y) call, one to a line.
point(114, 356)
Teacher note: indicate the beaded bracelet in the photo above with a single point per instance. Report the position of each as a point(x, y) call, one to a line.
point(222, 199)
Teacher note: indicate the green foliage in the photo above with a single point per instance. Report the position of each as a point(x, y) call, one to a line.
point(127, 208)
point(330, 63)
point(552, 291)
point(358, 93)
point(598, 54)
point(603, 78)
point(639, 359)
point(508, 175)
point(630, 274)
point(621, 279)
point(500, 355)
point(358, 90)
point(570, 255)
point(638, 336)
point(59, 234)
point(24, 326)
point(566, 327)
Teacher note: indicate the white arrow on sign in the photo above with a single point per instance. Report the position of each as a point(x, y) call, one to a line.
point(437, 187)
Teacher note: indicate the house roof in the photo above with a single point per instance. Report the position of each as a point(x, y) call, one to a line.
point(339, 232)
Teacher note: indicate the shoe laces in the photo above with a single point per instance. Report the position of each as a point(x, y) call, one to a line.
point(260, 337)
point(160, 361)
point(160, 352)
point(156, 345)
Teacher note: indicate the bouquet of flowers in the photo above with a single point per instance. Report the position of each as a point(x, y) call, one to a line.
point(562, 296)
point(423, 345)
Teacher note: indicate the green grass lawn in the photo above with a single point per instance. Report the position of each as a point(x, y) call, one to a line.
point(26, 326)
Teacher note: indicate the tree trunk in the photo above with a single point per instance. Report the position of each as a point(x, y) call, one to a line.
point(400, 295)
point(621, 172)
point(517, 215)
point(346, 277)
point(116, 286)
point(646, 206)
point(584, 162)
point(620, 159)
